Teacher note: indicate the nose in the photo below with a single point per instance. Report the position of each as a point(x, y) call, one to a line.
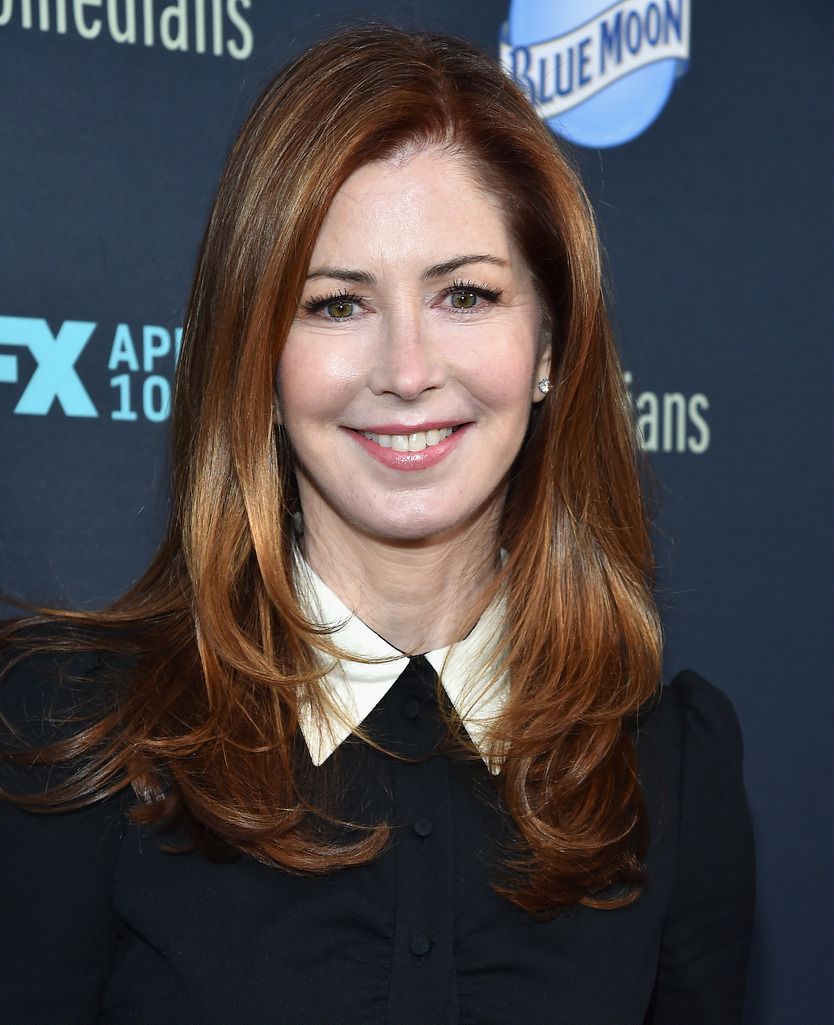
point(406, 363)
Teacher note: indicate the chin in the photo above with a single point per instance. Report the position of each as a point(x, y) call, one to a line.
point(410, 531)
point(411, 526)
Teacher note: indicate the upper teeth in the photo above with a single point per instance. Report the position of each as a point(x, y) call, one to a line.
point(410, 442)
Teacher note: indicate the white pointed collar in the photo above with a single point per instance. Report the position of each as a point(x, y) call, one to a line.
point(358, 687)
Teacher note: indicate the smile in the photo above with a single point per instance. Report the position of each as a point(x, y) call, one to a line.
point(416, 442)
point(412, 450)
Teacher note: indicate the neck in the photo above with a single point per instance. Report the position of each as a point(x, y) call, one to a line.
point(413, 594)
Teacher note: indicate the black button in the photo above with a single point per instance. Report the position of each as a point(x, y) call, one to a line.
point(411, 708)
point(420, 945)
point(423, 827)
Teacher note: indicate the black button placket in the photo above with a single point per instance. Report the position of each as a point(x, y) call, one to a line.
point(422, 989)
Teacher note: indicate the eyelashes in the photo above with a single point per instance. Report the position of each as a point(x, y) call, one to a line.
point(317, 303)
point(470, 296)
point(471, 288)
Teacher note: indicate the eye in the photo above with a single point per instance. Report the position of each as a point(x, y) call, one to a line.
point(467, 297)
point(341, 306)
point(463, 299)
point(339, 309)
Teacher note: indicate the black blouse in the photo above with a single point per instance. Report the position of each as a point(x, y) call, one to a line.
point(101, 926)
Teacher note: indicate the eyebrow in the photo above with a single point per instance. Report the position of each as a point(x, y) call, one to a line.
point(437, 270)
point(355, 277)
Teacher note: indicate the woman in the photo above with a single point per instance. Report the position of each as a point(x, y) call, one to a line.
point(402, 450)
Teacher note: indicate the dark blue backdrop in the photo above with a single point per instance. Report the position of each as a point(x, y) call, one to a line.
point(717, 225)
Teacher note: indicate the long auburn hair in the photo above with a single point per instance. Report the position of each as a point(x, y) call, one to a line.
point(221, 654)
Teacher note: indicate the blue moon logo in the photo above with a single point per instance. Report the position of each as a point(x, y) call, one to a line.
point(598, 72)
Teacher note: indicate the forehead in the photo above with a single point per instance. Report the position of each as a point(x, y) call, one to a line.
point(427, 199)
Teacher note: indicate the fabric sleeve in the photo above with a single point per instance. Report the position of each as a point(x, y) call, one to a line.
point(706, 937)
point(57, 933)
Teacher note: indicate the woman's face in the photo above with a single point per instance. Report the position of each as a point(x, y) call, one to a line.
point(409, 373)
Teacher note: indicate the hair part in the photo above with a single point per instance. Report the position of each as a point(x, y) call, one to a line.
point(222, 654)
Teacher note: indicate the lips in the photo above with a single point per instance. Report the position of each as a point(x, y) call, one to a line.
point(416, 441)
point(394, 446)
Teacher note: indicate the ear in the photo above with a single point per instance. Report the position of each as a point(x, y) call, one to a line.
point(542, 372)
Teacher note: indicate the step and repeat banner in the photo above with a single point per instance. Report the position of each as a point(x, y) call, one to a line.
point(704, 134)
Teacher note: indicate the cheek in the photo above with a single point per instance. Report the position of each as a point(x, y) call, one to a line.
point(504, 382)
point(313, 384)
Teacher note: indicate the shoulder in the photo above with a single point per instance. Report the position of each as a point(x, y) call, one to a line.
point(690, 758)
point(690, 717)
point(690, 753)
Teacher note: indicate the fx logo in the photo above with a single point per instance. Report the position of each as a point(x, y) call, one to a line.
point(55, 356)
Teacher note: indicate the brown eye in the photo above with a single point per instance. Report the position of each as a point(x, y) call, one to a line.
point(339, 309)
point(464, 299)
